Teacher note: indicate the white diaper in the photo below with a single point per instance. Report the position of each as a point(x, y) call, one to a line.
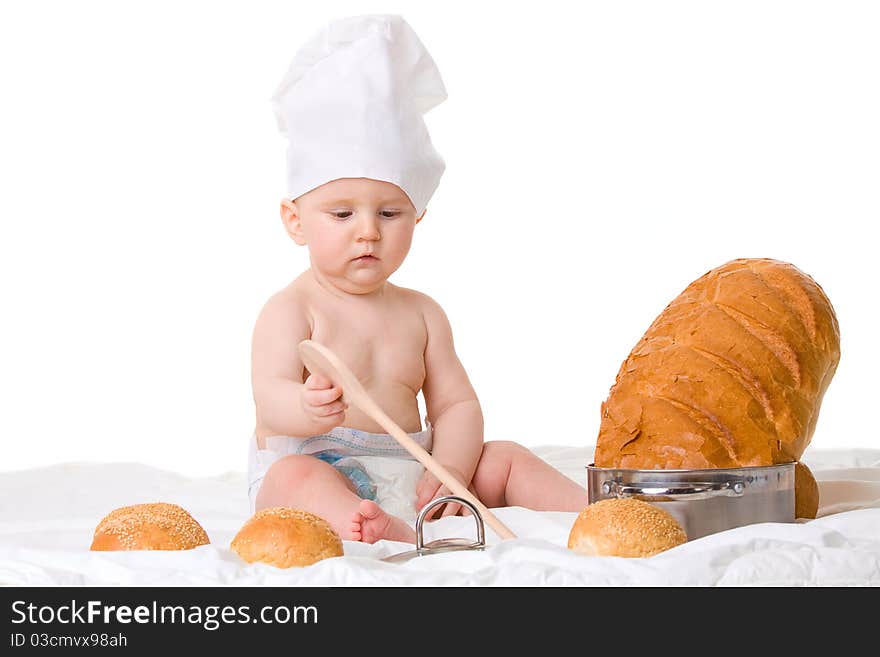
point(378, 466)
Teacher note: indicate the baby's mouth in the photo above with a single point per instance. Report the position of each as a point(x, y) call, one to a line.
point(367, 257)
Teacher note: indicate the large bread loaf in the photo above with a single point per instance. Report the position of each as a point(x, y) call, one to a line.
point(730, 374)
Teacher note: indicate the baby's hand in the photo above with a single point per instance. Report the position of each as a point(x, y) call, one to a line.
point(429, 488)
point(320, 400)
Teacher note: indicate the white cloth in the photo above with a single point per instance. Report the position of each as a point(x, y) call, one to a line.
point(351, 106)
point(48, 516)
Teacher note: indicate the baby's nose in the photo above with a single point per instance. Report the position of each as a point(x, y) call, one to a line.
point(368, 229)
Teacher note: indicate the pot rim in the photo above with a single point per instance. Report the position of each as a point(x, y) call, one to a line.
point(594, 467)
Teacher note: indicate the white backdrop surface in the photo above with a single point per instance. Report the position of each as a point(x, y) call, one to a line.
point(600, 157)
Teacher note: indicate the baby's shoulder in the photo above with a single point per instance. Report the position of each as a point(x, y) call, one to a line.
point(424, 304)
point(415, 298)
point(288, 304)
point(291, 296)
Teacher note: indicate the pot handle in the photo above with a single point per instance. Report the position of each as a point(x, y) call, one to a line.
point(685, 490)
point(420, 520)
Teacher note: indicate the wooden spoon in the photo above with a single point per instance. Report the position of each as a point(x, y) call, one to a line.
point(321, 360)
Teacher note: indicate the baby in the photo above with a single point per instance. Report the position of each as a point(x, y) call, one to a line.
point(361, 170)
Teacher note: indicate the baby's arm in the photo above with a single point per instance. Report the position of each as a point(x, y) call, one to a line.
point(450, 400)
point(285, 405)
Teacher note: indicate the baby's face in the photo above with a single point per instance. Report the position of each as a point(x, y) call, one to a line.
point(358, 231)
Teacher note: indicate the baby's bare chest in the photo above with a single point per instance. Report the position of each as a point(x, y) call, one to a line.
point(382, 346)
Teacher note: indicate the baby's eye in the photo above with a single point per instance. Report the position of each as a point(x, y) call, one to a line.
point(342, 214)
point(389, 214)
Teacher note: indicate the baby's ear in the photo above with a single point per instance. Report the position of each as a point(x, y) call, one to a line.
point(291, 220)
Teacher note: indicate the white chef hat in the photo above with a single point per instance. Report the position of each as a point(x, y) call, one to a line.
point(351, 106)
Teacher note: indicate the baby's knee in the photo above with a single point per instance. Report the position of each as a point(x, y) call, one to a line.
point(498, 450)
point(294, 467)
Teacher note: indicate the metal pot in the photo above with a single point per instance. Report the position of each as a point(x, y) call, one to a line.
point(704, 501)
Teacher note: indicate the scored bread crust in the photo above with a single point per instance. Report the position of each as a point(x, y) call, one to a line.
point(151, 526)
point(624, 527)
point(731, 374)
point(286, 537)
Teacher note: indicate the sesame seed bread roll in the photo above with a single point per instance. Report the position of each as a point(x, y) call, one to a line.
point(285, 537)
point(156, 526)
point(624, 527)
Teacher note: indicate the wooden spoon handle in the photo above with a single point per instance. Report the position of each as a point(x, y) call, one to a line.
point(434, 467)
point(318, 358)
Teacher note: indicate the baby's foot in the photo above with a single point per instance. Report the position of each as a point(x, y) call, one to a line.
point(370, 524)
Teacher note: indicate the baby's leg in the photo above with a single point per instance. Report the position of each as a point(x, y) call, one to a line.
point(307, 483)
point(508, 474)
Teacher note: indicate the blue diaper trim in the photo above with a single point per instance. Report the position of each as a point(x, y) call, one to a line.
point(394, 449)
point(364, 486)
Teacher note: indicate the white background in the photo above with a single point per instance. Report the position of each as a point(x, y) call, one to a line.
point(600, 157)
